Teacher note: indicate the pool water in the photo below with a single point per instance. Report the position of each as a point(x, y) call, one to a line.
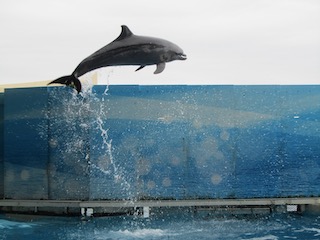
point(175, 226)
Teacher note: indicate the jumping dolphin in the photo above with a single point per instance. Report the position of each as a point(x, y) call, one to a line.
point(127, 49)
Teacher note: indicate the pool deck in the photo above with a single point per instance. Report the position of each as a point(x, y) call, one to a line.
point(160, 203)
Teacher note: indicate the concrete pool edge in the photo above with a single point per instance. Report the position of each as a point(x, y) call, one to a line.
point(109, 207)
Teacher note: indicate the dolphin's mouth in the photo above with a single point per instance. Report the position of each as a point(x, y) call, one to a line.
point(182, 56)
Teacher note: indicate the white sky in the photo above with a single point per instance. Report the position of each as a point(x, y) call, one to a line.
point(226, 41)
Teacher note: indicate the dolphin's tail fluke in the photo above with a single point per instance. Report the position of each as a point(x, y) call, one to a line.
point(70, 80)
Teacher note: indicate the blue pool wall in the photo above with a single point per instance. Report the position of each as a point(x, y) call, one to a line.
point(161, 142)
point(1, 145)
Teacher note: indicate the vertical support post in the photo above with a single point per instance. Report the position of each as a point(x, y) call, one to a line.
point(146, 212)
point(83, 211)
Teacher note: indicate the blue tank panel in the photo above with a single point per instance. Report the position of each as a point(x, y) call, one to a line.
point(162, 142)
point(217, 141)
point(25, 144)
point(1, 145)
point(68, 143)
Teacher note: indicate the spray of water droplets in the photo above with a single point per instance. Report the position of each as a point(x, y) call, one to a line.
point(72, 120)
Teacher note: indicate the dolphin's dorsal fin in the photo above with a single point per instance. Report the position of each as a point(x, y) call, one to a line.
point(160, 67)
point(125, 33)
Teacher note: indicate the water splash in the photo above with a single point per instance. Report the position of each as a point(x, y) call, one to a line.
point(8, 224)
point(73, 119)
point(119, 174)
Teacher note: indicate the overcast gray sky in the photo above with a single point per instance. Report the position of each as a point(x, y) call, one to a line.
point(226, 41)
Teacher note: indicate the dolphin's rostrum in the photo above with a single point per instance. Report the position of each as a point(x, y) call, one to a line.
point(127, 49)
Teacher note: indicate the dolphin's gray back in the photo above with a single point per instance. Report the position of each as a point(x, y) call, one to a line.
point(132, 50)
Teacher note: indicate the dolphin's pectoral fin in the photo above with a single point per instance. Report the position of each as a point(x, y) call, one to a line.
point(160, 67)
point(142, 66)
